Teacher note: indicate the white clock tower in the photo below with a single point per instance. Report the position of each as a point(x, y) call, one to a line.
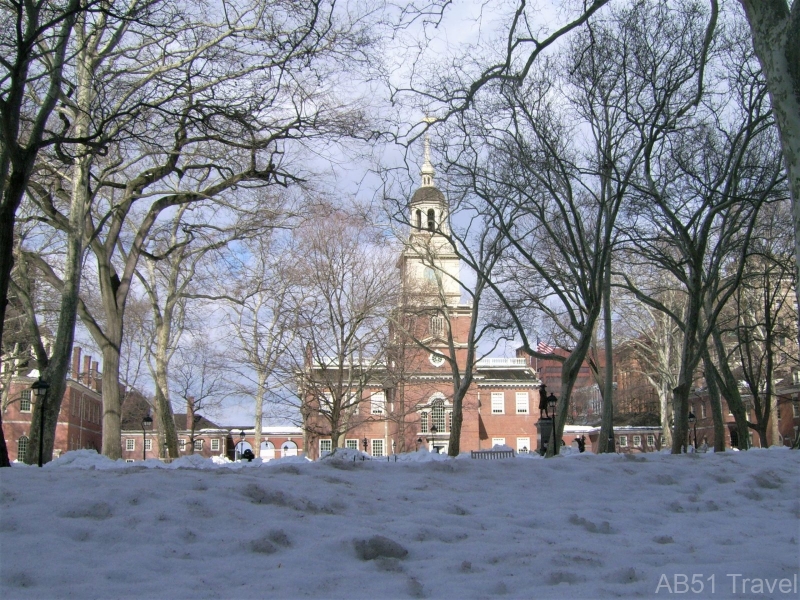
point(429, 264)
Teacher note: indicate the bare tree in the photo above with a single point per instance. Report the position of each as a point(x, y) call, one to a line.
point(200, 381)
point(170, 272)
point(755, 329)
point(34, 43)
point(774, 28)
point(701, 191)
point(346, 290)
point(201, 136)
point(262, 320)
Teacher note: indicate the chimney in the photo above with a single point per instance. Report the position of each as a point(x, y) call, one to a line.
point(189, 412)
point(76, 362)
point(97, 384)
point(87, 365)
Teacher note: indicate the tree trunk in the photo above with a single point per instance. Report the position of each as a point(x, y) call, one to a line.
point(665, 405)
point(716, 404)
point(166, 421)
point(259, 416)
point(607, 422)
point(58, 365)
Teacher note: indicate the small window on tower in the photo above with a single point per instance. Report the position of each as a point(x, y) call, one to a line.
point(437, 325)
point(419, 219)
point(431, 219)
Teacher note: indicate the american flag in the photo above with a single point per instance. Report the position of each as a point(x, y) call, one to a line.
point(545, 348)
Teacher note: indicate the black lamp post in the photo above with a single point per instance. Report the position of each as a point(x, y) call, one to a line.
point(39, 388)
point(240, 445)
point(693, 423)
point(147, 424)
point(434, 431)
point(364, 441)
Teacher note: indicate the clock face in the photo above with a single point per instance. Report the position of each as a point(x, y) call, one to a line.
point(437, 360)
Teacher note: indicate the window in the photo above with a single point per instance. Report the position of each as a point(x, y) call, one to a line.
point(651, 440)
point(25, 401)
point(215, 445)
point(661, 441)
point(22, 447)
point(437, 325)
point(423, 422)
point(431, 219)
point(377, 447)
point(498, 442)
point(182, 445)
point(795, 410)
point(523, 445)
point(198, 444)
point(623, 441)
point(437, 415)
point(498, 403)
point(326, 447)
point(637, 441)
point(327, 400)
point(522, 403)
point(378, 403)
point(130, 445)
point(351, 444)
point(419, 219)
point(148, 444)
point(703, 410)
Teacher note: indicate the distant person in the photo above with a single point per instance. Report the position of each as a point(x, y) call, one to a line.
point(582, 443)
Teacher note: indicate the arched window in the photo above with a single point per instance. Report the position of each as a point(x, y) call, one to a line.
point(431, 219)
point(22, 447)
point(437, 415)
point(419, 219)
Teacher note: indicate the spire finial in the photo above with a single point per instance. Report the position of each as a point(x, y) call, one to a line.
point(427, 171)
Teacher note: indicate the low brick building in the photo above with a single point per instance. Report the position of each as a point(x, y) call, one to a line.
point(79, 420)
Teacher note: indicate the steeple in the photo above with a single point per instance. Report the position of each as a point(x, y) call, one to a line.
point(427, 171)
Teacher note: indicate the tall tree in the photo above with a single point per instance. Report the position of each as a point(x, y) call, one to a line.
point(701, 190)
point(346, 291)
point(775, 31)
point(201, 135)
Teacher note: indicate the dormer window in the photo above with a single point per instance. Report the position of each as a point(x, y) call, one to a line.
point(426, 180)
point(419, 219)
point(431, 220)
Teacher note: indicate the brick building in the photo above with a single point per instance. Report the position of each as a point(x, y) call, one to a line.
point(788, 417)
point(276, 442)
point(407, 402)
point(196, 434)
point(79, 420)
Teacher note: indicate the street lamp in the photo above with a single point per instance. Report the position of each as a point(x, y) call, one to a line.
point(240, 445)
point(39, 388)
point(365, 441)
point(147, 424)
point(434, 431)
point(693, 423)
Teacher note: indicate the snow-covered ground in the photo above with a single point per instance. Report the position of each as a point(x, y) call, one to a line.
point(578, 526)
